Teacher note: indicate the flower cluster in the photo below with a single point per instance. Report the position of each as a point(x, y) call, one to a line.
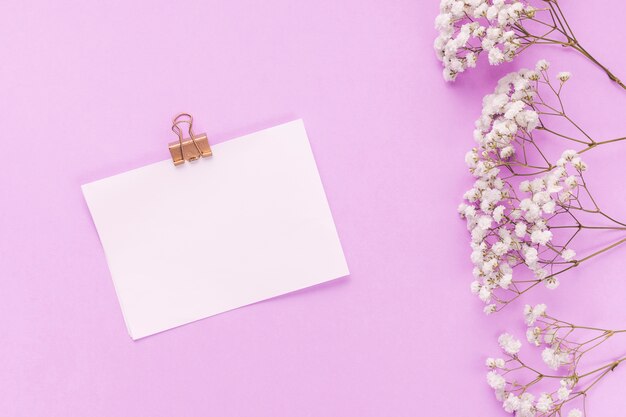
point(512, 221)
point(510, 228)
point(467, 28)
point(502, 29)
point(505, 113)
point(510, 116)
point(513, 380)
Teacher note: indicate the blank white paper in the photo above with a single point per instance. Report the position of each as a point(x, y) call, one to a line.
point(250, 223)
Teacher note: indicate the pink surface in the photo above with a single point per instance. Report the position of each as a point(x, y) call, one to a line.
point(88, 90)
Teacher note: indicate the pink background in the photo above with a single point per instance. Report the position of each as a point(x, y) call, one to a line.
point(88, 90)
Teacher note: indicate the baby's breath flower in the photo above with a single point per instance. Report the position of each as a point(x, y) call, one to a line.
point(563, 393)
point(563, 76)
point(509, 344)
point(495, 380)
point(533, 335)
point(554, 358)
point(575, 412)
point(542, 65)
point(552, 283)
point(531, 314)
point(568, 254)
point(544, 403)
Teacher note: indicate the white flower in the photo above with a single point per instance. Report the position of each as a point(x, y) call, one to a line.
point(533, 335)
point(563, 76)
point(575, 412)
point(507, 152)
point(490, 309)
point(499, 248)
point(571, 182)
point(494, 33)
point(513, 108)
point(496, 57)
point(563, 393)
point(568, 254)
point(554, 358)
point(525, 186)
point(542, 65)
point(498, 213)
point(481, 10)
point(495, 380)
point(511, 404)
point(552, 283)
point(526, 408)
point(471, 158)
point(569, 154)
point(471, 59)
point(495, 363)
point(509, 344)
point(520, 229)
point(506, 280)
point(531, 314)
point(549, 207)
point(579, 164)
point(530, 255)
point(544, 403)
point(568, 382)
point(541, 236)
point(484, 222)
point(485, 294)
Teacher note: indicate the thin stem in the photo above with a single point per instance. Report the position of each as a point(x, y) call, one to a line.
point(577, 46)
point(619, 242)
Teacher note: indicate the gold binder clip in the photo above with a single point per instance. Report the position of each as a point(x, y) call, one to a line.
point(190, 149)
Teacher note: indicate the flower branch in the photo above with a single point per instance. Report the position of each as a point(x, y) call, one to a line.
point(502, 29)
point(526, 209)
point(527, 391)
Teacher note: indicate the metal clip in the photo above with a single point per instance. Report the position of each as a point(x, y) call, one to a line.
point(191, 148)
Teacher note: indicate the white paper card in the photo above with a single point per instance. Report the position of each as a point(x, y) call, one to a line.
point(250, 223)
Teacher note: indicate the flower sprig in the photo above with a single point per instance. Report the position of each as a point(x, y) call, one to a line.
point(502, 29)
point(527, 210)
point(527, 391)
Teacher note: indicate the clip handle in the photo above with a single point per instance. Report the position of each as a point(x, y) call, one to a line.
point(187, 149)
point(184, 118)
